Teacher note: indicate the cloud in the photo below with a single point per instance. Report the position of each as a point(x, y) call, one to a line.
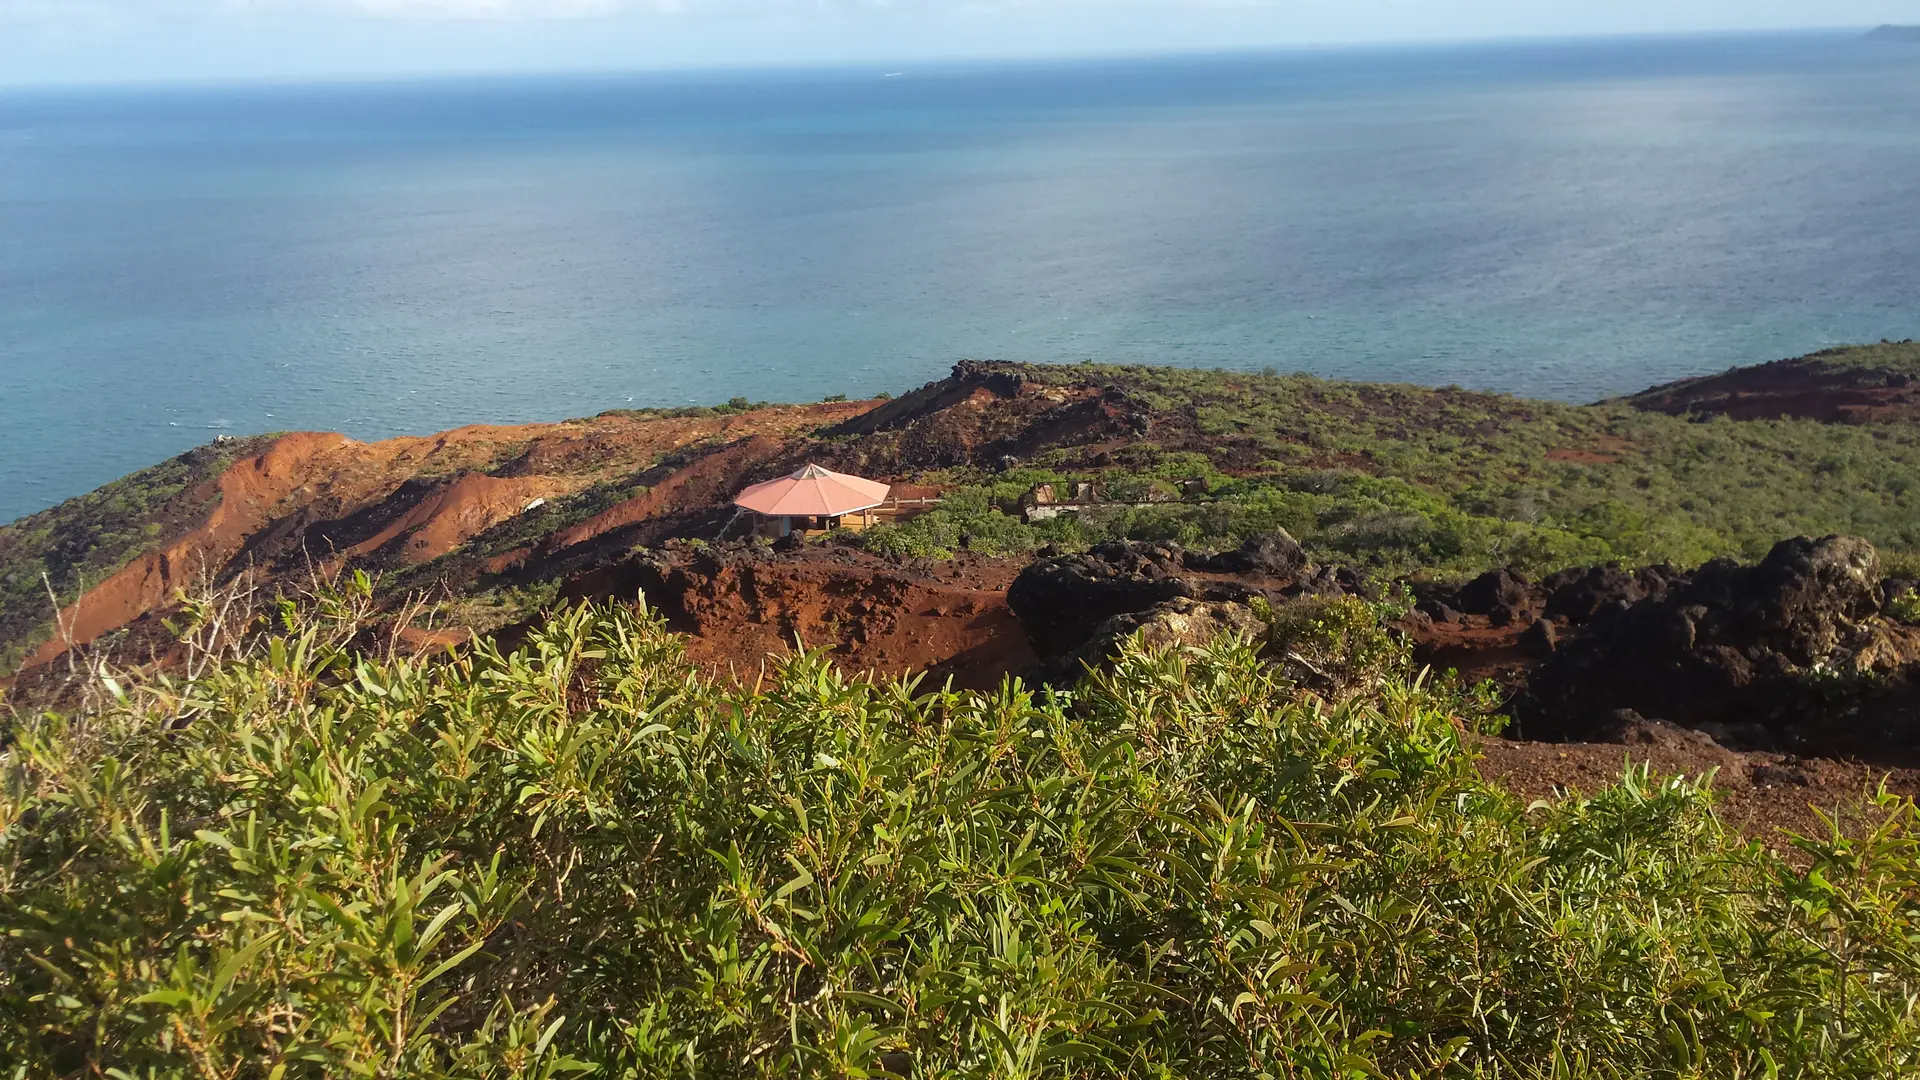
point(490, 9)
point(240, 12)
point(118, 41)
point(1524, 18)
point(94, 10)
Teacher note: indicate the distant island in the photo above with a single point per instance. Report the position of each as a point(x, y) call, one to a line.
point(1894, 33)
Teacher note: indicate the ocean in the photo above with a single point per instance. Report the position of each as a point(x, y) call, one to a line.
point(1561, 219)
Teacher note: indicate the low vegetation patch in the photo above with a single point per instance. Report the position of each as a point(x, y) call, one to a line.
point(1447, 482)
point(581, 858)
point(733, 407)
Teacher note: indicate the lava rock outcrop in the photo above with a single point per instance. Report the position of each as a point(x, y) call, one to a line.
point(1568, 598)
point(1767, 653)
point(1177, 622)
point(1061, 600)
point(1069, 604)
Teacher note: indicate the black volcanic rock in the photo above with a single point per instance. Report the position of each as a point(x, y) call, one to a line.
point(1491, 591)
point(1735, 645)
point(1626, 727)
point(1276, 553)
point(1581, 595)
point(1062, 600)
point(1179, 621)
point(1503, 596)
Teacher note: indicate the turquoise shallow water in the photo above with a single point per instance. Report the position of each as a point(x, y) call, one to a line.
point(1569, 220)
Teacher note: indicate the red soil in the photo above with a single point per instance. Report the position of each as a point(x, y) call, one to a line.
point(1473, 648)
point(457, 513)
point(948, 619)
point(1605, 450)
point(247, 488)
point(1763, 796)
point(421, 639)
point(706, 482)
point(308, 478)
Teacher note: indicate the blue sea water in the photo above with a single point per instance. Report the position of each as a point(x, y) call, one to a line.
point(1570, 220)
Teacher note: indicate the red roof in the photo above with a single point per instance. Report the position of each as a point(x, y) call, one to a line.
point(813, 492)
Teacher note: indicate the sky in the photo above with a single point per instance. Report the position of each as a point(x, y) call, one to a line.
point(93, 41)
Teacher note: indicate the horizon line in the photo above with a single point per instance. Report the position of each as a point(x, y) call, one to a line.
point(826, 67)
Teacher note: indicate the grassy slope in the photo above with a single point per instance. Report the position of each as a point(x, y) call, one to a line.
point(1897, 359)
point(1679, 489)
point(83, 540)
point(1894, 357)
point(1408, 478)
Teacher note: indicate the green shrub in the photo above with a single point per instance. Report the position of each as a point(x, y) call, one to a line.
point(1127, 487)
point(1540, 480)
point(1904, 564)
point(582, 856)
point(966, 519)
point(1334, 645)
point(901, 542)
point(1906, 607)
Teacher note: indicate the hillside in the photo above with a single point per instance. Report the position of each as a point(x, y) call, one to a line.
point(276, 507)
point(372, 764)
point(73, 547)
point(488, 523)
point(1869, 384)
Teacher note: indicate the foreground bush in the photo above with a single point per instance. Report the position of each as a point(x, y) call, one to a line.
point(580, 857)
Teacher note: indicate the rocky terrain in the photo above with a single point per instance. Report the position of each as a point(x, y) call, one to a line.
point(1875, 384)
point(1791, 679)
point(1486, 522)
